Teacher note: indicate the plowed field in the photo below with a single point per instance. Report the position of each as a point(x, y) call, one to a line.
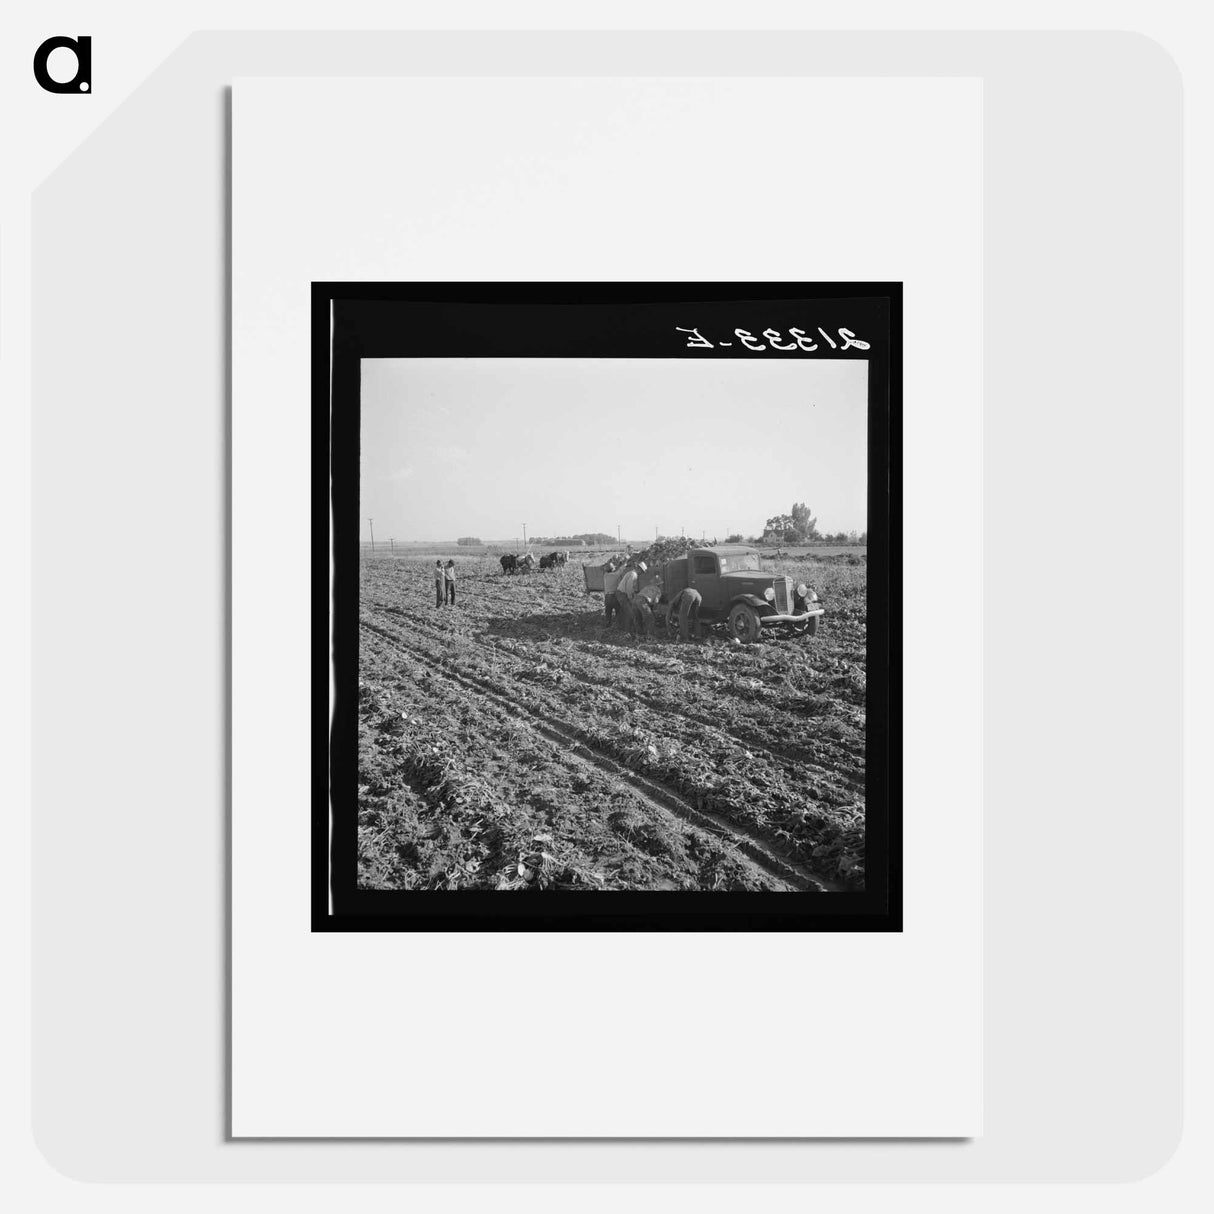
point(513, 742)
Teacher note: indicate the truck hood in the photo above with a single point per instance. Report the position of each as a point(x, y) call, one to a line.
point(755, 577)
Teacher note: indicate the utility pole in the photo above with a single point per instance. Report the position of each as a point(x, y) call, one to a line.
point(524, 535)
point(372, 522)
point(618, 540)
point(393, 543)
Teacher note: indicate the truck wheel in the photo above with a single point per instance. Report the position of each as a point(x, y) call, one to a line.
point(811, 628)
point(689, 615)
point(744, 623)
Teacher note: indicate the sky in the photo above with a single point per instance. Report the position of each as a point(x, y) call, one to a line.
point(479, 447)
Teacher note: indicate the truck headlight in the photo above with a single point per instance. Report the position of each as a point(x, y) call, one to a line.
point(770, 594)
point(802, 591)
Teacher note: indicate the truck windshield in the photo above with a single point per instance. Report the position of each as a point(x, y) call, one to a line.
point(743, 560)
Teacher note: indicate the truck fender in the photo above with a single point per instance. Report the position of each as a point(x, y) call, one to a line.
point(759, 604)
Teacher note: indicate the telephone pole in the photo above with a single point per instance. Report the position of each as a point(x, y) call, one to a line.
point(618, 540)
point(372, 522)
point(392, 541)
point(524, 535)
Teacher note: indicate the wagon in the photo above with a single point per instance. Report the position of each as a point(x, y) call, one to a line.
point(596, 573)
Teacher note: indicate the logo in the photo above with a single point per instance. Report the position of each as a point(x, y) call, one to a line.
point(82, 48)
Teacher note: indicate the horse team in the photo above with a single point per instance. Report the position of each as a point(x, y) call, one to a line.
point(524, 564)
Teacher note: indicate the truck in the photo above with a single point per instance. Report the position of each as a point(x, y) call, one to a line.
point(722, 585)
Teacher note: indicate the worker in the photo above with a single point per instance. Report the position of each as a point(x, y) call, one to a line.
point(687, 604)
point(625, 594)
point(449, 579)
point(619, 601)
point(438, 583)
point(643, 603)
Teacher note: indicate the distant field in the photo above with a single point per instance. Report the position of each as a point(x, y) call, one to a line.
point(513, 742)
point(493, 548)
point(449, 548)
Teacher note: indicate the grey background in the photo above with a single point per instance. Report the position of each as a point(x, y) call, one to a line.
point(1082, 705)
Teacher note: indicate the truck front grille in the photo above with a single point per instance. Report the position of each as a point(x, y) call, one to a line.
point(783, 604)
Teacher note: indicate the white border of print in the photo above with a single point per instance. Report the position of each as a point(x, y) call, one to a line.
point(662, 1035)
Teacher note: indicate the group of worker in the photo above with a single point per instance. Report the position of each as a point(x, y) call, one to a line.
point(444, 583)
point(631, 601)
point(634, 604)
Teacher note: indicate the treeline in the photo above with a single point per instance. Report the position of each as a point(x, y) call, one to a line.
point(799, 526)
point(795, 528)
point(588, 538)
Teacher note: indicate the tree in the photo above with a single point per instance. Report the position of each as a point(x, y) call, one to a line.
point(797, 527)
point(803, 523)
point(777, 528)
point(469, 541)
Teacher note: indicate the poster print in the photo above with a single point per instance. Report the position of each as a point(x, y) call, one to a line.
point(605, 607)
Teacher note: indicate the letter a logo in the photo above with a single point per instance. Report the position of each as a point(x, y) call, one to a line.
point(82, 81)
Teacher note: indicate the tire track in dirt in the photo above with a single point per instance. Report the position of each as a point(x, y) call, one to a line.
point(738, 733)
point(503, 710)
point(660, 797)
point(638, 661)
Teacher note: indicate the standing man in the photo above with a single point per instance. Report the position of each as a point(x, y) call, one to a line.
point(438, 583)
point(609, 596)
point(449, 578)
point(625, 589)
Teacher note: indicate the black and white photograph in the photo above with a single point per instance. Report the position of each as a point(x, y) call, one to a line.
point(612, 630)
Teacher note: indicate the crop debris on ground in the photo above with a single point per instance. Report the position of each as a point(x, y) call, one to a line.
point(514, 743)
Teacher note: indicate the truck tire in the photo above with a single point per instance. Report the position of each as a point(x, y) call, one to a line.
point(689, 615)
point(811, 628)
point(744, 623)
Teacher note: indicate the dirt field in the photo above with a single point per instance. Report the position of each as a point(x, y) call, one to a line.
point(512, 742)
